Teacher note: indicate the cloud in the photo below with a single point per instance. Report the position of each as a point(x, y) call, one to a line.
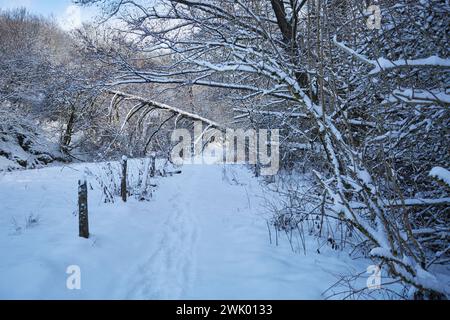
point(71, 18)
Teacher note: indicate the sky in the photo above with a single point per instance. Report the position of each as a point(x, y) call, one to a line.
point(68, 15)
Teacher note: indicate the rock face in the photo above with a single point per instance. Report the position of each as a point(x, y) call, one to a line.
point(24, 146)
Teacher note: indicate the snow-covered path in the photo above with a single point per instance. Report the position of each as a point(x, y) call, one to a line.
point(203, 236)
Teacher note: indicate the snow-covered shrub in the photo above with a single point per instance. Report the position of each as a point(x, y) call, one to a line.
point(108, 179)
point(140, 178)
point(23, 144)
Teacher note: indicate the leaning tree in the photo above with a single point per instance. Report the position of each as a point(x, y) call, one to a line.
point(330, 77)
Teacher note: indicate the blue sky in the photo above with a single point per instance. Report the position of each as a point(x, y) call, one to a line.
point(68, 15)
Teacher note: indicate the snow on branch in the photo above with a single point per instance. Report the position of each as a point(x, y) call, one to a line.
point(416, 96)
point(383, 64)
point(163, 106)
point(441, 174)
point(142, 78)
point(408, 202)
point(289, 114)
point(247, 112)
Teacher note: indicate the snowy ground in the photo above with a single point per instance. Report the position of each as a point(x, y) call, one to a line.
point(200, 237)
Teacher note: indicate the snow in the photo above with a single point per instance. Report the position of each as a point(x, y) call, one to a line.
point(6, 164)
point(432, 61)
point(154, 104)
point(381, 63)
point(441, 174)
point(382, 252)
point(420, 96)
point(200, 237)
point(365, 177)
point(405, 202)
point(23, 144)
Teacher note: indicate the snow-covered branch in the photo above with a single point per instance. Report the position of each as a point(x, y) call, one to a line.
point(154, 104)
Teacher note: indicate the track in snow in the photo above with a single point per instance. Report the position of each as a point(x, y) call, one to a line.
point(200, 237)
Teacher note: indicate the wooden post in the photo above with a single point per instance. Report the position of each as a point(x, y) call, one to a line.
point(83, 209)
point(123, 182)
point(258, 150)
point(257, 169)
point(153, 164)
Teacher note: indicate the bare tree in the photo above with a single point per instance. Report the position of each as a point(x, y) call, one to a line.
point(330, 81)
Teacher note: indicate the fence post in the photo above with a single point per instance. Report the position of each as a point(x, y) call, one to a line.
point(123, 182)
point(257, 169)
point(83, 209)
point(153, 164)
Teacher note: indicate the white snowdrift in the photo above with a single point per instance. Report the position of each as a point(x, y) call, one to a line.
point(200, 237)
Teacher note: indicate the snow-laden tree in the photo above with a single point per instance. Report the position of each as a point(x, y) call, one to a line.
point(371, 102)
point(46, 77)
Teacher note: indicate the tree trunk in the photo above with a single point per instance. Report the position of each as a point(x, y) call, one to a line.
point(67, 137)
